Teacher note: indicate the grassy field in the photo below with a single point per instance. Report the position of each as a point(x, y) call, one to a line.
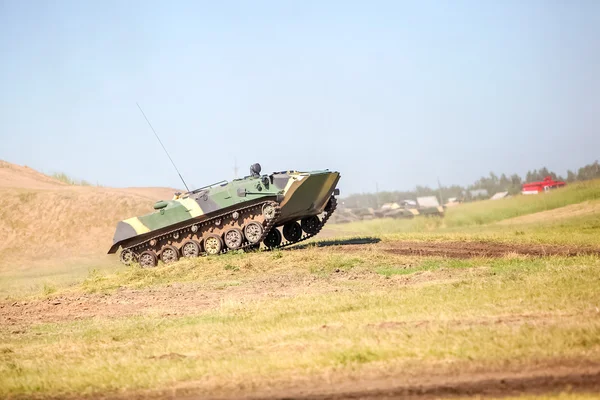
point(579, 230)
point(315, 319)
point(34, 278)
point(485, 212)
point(439, 315)
point(502, 220)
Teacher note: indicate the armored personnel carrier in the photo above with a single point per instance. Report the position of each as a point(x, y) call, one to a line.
point(277, 210)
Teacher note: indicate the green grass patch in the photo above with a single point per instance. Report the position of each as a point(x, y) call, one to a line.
point(62, 177)
point(428, 264)
point(48, 289)
point(390, 271)
point(231, 267)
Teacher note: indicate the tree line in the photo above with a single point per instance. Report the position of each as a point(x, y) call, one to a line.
point(491, 184)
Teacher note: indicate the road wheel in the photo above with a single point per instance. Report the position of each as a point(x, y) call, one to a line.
point(127, 257)
point(233, 238)
point(292, 231)
point(268, 211)
point(273, 238)
point(310, 225)
point(213, 244)
point(191, 248)
point(169, 254)
point(253, 232)
point(148, 259)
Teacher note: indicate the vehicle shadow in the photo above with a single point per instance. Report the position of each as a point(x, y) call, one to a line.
point(337, 242)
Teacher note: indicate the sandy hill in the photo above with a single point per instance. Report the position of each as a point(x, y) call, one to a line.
point(41, 217)
point(16, 176)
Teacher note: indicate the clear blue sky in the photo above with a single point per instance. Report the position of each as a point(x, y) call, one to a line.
point(397, 92)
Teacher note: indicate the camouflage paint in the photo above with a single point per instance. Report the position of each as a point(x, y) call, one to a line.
point(302, 193)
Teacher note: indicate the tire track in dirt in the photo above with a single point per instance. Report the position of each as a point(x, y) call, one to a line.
point(478, 249)
point(173, 300)
point(584, 378)
point(492, 387)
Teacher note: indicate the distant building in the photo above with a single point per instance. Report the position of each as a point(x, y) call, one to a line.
point(500, 195)
point(542, 186)
point(479, 193)
point(428, 201)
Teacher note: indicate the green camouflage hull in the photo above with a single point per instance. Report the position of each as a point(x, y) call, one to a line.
point(296, 195)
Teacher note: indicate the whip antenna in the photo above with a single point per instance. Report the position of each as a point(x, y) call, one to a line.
point(163, 146)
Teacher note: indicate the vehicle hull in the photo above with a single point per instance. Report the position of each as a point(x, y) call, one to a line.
point(295, 195)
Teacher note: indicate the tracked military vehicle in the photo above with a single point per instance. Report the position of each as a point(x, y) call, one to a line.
point(277, 210)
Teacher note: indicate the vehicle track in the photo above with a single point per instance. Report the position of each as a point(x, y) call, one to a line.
point(464, 250)
point(497, 385)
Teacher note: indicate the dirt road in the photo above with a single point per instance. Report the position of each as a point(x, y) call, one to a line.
point(458, 249)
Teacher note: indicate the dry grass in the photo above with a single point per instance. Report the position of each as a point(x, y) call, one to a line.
point(564, 395)
point(32, 278)
point(482, 214)
point(16, 176)
point(66, 223)
point(268, 321)
point(586, 208)
point(44, 218)
point(485, 212)
point(506, 314)
point(559, 226)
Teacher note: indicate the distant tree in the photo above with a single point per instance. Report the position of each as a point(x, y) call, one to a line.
point(493, 178)
point(516, 180)
point(515, 184)
point(590, 171)
point(543, 173)
point(453, 191)
point(531, 176)
point(421, 191)
point(504, 181)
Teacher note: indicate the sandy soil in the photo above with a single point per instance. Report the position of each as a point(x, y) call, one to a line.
point(173, 300)
point(41, 217)
point(460, 249)
point(23, 177)
point(557, 379)
point(483, 249)
point(16, 176)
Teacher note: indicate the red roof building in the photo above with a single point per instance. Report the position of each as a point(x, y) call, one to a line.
point(541, 186)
